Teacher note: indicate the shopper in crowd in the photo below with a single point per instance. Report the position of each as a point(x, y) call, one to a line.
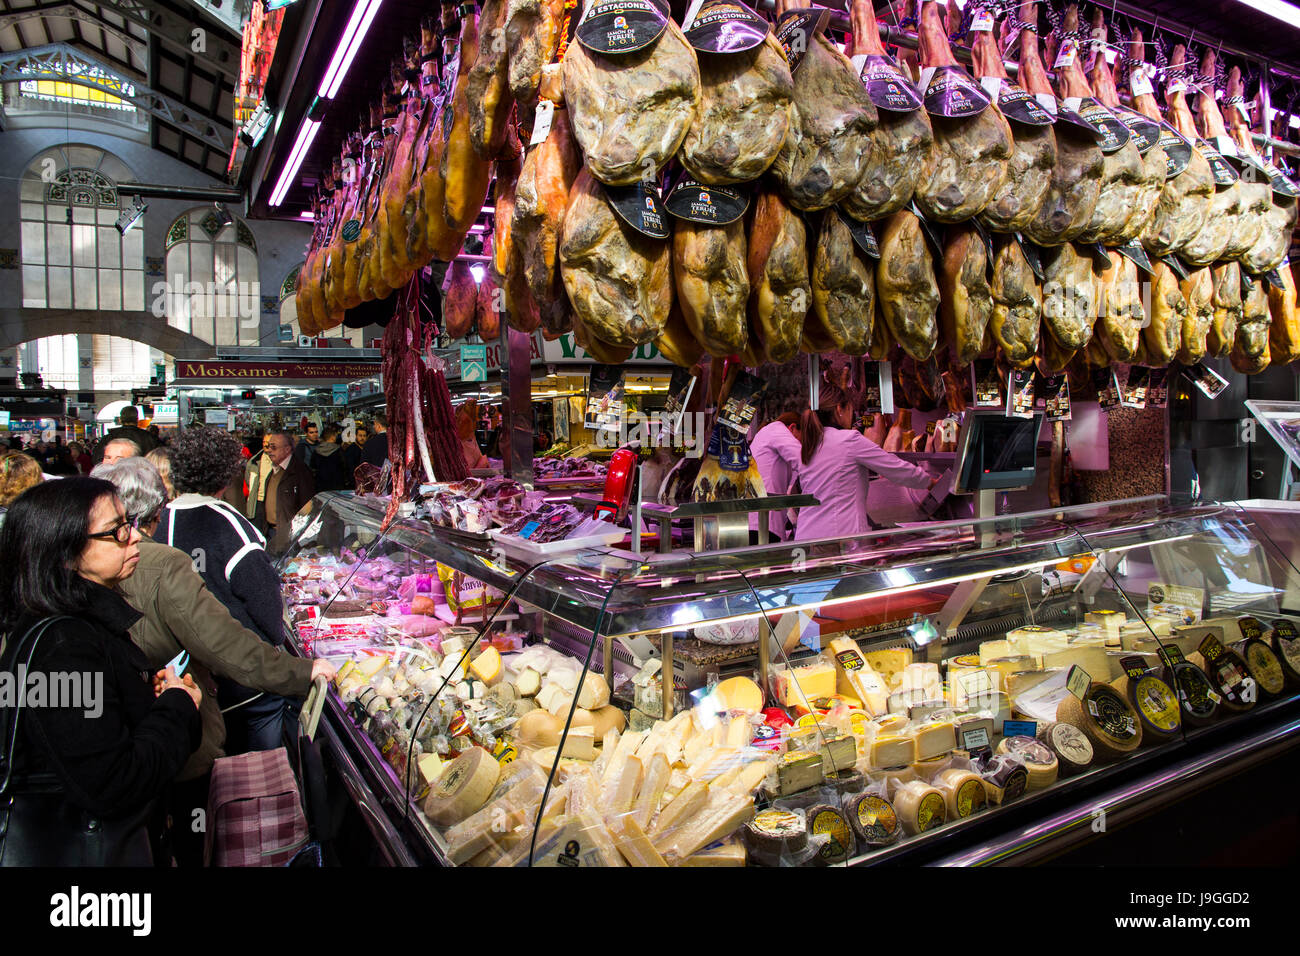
point(375, 451)
point(466, 419)
point(18, 472)
point(87, 778)
point(156, 432)
point(130, 428)
point(351, 452)
point(307, 445)
point(776, 450)
point(234, 565)
point(835, 465)
point(81, 458)
point(289, 489)
point(180, 613)
point(329, 469)
point(116, 449)
point(161, 459)
point(256, 474)
point(61, 465)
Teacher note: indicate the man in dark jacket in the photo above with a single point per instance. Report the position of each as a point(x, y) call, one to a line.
point(290, 487)
point(130, 428)
point(307, 446)
point(327, 462)
point(376, 450)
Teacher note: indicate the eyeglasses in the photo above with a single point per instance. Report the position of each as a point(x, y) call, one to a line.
point(120, 532)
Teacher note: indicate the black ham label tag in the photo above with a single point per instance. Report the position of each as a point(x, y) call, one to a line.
point(861, 232)
point(1020, 393)
point(1134, 252)
point(1146, 131)
point(1067, 116)
point(622, 26)
point(1107, 386)
point(1135, 389)
point(639, 206)
point(1018, 105)
point(1056, 397)
point(1032, 255)
point(1158, 388)
point(931, 232)
point(726, 26)
point(886, 85)
point(1274, 279)
point(1114, 133)
point(986, 384)
point(1176, 264)
point(952, 93)
point(1178, 152)
point(1224, 174)
point(797, 30)
point(710, 205)
point(352, 230)
point(1278, 180)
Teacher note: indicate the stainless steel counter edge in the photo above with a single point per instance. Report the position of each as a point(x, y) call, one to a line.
point(1125, 802)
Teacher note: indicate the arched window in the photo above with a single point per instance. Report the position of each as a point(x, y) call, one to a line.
point(73, 257)
point(112, 363)
point(212, 283)
point(289, 316)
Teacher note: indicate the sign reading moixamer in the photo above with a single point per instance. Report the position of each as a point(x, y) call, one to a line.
point(272, 371)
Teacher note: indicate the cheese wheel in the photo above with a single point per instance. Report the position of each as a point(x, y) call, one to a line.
point(1156, 705)
point(963, 792)
point(1227, 676)
point(738, 693)
point(846, 781)
point(920, 807)
point(831, 821)
point(1195, 693)
point(1106, 718)
point(775, 834)
point(605, 719)
point(538, 728)
point(1285, 639)
point(1073, 750)
point(463, 787)
point(873, 819)
point(1263, 663)
point(1040, 763)
point(1005, 778)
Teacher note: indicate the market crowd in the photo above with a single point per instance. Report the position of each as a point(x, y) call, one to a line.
point(119, 558)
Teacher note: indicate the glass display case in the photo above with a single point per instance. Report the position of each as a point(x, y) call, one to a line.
point(966, 692)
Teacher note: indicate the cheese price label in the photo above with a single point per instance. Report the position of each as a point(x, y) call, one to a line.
point(1078, 682)
point(1211, 648)
point(1134, 667)
point(974, 739)
point(1019, 728)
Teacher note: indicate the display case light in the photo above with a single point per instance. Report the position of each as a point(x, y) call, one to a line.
point(306, 135)
point(1286, 12)
point(363, 13)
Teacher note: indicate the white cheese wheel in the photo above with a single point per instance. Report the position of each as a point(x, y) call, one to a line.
point(963, 792)
point(920, 807)
point(1073, 750)
point(463, 787)
point(1040, 763)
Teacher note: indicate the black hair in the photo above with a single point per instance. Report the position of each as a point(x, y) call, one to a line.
point(205, 460)
point(380, 418)
point(44, 533)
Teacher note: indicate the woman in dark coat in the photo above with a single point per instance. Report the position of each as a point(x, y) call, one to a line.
point(91, 761)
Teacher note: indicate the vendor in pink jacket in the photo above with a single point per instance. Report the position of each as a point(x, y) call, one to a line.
point(835, 465)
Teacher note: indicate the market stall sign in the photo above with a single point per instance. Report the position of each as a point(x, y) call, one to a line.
point(188, 372)
point(473, 363)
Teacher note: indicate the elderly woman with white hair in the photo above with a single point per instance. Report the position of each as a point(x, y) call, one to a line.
point(180, 613)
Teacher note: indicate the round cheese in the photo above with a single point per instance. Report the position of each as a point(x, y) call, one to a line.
point(774, 834)
point(738, 693)
point(920, 807)
point(538, 728)
point(963, 792)
point(873, 819)
point(1228, 675)
point(1264, 666)
point(831, 821)
point(846, 781)
point(1073, 750)
point(1040, 763)
point(1156, 705)
point(463, 787)
point(605, 719)
point(1106, 718)
point(1285, 638)
point(1195, 693)
point(1005, 778)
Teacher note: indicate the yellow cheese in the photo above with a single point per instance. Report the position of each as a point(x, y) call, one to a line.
point(889, 664)
point(371, 665)
point(580, 744)
point(737, 693)
point(528, 683)
point(935, 739)
point(920, 807)
point(856, 678)
point(635, 845)
point(594, 693)
point(724, 814)
point(653, 783)
point(431, 767)
point(487, 666)
point(683, 807)
point(993, 650)
point(889, 751)
point(1112, 622)
point(800, 686)
point(728, 853)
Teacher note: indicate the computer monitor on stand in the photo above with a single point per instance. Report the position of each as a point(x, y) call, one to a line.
point(995, 452)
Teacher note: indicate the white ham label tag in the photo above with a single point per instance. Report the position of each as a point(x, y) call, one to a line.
point(542, 123)
point(981, 21)
point(1140, 84)
point(1067, 55)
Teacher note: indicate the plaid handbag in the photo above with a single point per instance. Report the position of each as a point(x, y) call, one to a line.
point(255, 810)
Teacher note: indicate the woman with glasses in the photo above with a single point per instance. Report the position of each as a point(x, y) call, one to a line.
point(181, 614)
point(93, 755)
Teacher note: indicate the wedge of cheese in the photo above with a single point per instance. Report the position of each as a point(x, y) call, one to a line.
point(855, 677)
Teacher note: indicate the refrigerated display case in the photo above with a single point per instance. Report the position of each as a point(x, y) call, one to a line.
point(969, 692)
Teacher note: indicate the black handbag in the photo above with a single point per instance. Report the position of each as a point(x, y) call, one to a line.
point(38, 825)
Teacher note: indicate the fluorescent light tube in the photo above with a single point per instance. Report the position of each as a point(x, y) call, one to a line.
point(1286, 12)
point(358, 25)
point(306, 135)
